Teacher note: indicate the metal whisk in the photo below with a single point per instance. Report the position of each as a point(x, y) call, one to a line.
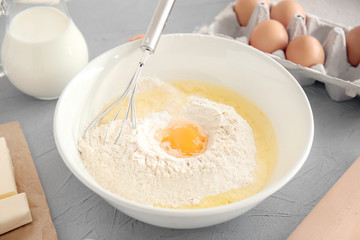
point(148, 46)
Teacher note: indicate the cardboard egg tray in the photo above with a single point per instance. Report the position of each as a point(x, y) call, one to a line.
point(341, 79)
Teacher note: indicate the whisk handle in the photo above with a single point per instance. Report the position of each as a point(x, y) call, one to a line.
point(157, 25)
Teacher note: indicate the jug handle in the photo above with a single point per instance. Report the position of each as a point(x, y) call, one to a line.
point(2, 73)
point(3, 7)
point(3, 11)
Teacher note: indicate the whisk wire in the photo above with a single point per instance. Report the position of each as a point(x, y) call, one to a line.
point(148, 45)
point(133, 110)
point(121, 101)
point(100, 117)
point(131, 90)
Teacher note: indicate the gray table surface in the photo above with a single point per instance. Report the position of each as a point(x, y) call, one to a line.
point(78, 213)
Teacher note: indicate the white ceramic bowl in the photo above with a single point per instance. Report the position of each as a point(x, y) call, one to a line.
point(198, 57)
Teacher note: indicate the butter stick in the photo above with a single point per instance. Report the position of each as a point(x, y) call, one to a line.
point(337, 215)
point(7, 178)
point(15, 212)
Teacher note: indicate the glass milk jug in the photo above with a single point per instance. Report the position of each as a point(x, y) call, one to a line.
point(42, 49)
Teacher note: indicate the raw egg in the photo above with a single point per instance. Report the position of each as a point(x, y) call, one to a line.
point(353, 46)
point(183, 138)
point(285, 10)
point(306, 51)
point(269, 36)
point(244, 8)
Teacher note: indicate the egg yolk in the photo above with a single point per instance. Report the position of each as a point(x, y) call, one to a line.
point(183, 139)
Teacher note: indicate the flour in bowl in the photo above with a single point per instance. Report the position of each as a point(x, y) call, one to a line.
point(138, 168)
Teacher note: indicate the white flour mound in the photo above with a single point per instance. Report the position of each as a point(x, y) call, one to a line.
point(138, 169)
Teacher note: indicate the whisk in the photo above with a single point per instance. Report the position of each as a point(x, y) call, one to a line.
point(148, 46)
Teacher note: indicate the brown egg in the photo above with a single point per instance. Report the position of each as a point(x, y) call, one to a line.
point(244, 9)
point(353, 46)
point(285, 10)
point(136, 37)
point(269, 36)
point(306, 51)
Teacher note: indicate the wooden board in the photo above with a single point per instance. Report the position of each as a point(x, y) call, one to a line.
point(337, 215)
point(27, 180)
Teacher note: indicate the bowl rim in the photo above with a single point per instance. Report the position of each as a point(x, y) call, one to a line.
point(247, 202)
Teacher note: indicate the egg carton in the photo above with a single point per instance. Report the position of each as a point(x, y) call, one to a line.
point(341, 79)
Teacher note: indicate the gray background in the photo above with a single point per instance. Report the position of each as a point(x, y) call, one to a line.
point(78, 213)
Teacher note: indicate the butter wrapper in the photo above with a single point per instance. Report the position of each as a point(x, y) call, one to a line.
point(28, 181)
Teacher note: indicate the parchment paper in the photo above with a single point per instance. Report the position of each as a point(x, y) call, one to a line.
point(27, 180)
